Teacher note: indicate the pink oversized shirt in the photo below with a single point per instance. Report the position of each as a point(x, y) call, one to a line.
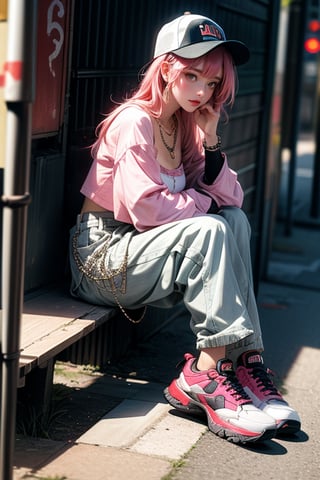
point(125, 177)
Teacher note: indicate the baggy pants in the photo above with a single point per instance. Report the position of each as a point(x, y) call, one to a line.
point(203, 261)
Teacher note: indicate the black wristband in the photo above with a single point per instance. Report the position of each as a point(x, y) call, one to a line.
point(213, 164)
point(213, 206)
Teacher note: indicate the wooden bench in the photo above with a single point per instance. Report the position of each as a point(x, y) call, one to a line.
point(56, 325)
point(52, 322)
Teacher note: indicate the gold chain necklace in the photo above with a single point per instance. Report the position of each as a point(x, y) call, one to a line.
point(170, 149)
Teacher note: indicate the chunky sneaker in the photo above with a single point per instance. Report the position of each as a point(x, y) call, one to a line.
point(217, 393)
point(256, 381)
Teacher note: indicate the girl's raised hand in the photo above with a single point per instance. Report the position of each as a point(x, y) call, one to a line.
point(207, 118)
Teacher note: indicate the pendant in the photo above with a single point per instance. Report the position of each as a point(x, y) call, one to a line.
point(172, 155)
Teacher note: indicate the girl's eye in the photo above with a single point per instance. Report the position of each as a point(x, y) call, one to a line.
point(212, 85)
point(191, 76)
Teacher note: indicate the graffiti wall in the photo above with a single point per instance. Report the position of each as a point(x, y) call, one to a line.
point(51, 61)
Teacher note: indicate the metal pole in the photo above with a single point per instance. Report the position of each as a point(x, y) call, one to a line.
point(290, 121)
point(259, 253)
point(18, 94)
point(315, 195)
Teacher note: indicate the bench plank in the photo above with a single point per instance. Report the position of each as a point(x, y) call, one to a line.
point(52, 322)
point(58, 303)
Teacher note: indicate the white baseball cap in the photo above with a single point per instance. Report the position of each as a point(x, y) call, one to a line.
point(191, 36)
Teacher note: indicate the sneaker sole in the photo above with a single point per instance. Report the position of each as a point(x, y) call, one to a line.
point(288, 427)
point(217, 426)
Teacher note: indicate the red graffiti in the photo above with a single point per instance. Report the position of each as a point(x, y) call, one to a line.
point(14, 69)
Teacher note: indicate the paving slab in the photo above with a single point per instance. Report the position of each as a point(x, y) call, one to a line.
point(124, 424)
point(171, 438)
point(83, 462)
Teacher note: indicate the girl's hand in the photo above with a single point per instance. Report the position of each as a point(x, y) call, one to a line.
point(207, 119)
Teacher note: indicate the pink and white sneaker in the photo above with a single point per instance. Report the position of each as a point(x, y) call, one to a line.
point(257, 383)
point(217, 393)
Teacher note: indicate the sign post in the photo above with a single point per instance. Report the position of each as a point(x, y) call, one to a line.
point(18, 95)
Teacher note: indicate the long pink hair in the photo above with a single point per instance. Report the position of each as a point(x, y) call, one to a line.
point(149, 94)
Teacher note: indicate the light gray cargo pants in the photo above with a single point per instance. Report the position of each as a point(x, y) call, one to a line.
point(202, 261)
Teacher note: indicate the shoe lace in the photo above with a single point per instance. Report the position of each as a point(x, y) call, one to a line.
point(263, 380)
point(234, 387)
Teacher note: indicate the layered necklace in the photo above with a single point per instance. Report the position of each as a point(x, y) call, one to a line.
point(173, 132)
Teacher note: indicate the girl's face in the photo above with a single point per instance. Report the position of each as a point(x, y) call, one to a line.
point(192, 90)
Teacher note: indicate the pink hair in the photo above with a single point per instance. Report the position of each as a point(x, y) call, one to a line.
point(149, 95)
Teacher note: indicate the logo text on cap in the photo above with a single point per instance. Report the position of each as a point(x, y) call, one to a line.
point(210, 30)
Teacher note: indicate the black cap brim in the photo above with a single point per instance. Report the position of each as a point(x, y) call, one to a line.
point(238, 50)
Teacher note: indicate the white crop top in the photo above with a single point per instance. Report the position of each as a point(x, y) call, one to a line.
point(175, 178)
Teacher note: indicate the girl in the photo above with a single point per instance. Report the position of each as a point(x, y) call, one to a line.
point(161, 222)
